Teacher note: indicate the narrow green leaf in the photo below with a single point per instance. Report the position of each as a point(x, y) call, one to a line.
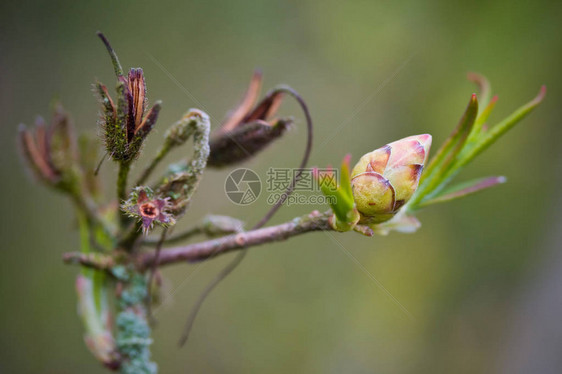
point(345, 179)
point(432, 175)
point(344, 203)
point(342, 206)
point(484, 87)
point(498, 130)
point(476, 132)
point(464, 189)
point(469, 153)
point(457, 136)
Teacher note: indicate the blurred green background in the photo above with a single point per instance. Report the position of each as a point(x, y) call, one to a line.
point(481, 278)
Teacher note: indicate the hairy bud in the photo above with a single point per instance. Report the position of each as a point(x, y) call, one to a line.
point(181, 131)
point(215, 225)
point(126, 123)
point(182, 179)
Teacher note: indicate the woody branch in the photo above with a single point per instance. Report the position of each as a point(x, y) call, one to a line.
point(314, 221)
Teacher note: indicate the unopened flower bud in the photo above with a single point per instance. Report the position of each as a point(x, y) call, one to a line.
point(181, 181)
point(177, 187)
point(385, 179)
point(215, 225)
point(182, 130)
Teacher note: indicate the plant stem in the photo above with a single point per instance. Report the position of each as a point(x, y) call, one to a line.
point(87, 206)
point(192, 231)
point(129, 238)
point(153, 270)
point(124, 168)
point(155, 161)
point(213, 226)
point(238, 259)
point(314, 221)
point(122, 177)
point(90, 260)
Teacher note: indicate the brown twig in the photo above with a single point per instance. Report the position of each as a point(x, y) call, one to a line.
point(314, 221)
point(184, 235)
point(91, 260)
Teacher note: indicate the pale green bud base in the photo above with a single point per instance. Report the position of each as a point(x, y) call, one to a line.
point(343, 226)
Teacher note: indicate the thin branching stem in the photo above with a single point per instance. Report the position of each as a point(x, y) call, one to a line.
point(89, 260)
point(155, 161)
point(315, 221)
point(212, 226)
point(151, 275)
point(208, 289)
point(194, 123)
point(195, 252)
point(85, 204)
point(124, 168)
point(240, 256)
point(184, 235)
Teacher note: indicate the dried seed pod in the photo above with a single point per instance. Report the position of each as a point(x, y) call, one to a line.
point(248, 129)
point(245, 141)
point(50, 150)
point(89, 160)
point(126, 123)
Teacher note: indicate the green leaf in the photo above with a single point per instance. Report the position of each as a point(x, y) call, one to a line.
point(484, 88)
point(344, 205)
point(445, 156)
point(477, 132)
point(501, 128)
point(470, 151)
point(463, 189)
point(345, 178)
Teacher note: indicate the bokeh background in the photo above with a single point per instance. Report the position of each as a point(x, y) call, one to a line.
point(481, 278)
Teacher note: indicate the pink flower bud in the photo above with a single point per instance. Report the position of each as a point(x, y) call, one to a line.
point(385, 179)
